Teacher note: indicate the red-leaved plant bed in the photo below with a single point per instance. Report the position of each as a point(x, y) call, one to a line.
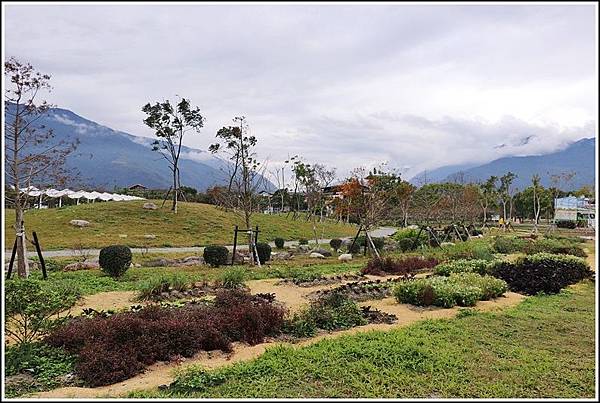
point(406, 266)
point(118, 347)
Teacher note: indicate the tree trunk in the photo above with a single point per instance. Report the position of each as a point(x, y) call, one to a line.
point(22, 262)
point(175, 189)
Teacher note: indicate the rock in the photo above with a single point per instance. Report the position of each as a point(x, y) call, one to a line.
point(282, 256)
point(191, 258)
point(412, 227)
point(79, 223)
point(447, 244)
point(346, 257)
point(322, 251)
point(122, 235)
point(160, 263)
point(192, 262)
point(316, 255)
point(240, 258)
point(303, 248)
point(20, 380)
point(137, 265)
point(81, 266)
point(150, 236)
point(149, 206)
point(67, 379)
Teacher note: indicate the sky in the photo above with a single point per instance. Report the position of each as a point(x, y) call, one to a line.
point(345, 85)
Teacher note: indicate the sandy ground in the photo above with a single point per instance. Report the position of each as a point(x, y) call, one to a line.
point(294, 297)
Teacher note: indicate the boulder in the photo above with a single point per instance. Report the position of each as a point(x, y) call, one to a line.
point(122, 235)
point(316, 255)
point(447, 244)
point(191, 261)
point(346, 257)
point(79, 223)
point(303, 248)
point(240, 258)
point(322, 251)
point(150, 236)
point(81, 266)
point(282, 256)
point(191, 258)
point(149, 206)
point(162, 262)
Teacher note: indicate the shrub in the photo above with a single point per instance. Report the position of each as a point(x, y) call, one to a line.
point(507, 245)
point(335, 244)
point(408, 244)
point(233, 278)
point(463, 289)
point(33, 308)
point(478, 266)
point(406, 266)
point(215, 255)
point(264, 252)
point(542, 272)
point(554, 246)
point(155, 286)
point(330, 312)
point(566, 224)
point(279, 242)
point(404, 235)
point(303, 241)
point(474, 249)
point(115, 348)
point(115, 260)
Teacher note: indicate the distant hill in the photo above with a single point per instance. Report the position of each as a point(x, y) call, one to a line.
point(578, 157)
point(107, 158)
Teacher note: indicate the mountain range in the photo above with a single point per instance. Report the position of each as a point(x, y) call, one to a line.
point(107, 158)
point(577, 157)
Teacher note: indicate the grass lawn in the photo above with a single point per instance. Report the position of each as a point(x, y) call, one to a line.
point(542, 348)
point(194, 225)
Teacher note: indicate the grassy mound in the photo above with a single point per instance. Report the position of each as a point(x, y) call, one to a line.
point(194, 225)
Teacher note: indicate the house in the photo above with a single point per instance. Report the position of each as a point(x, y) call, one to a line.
point(137, 186)
point(578, 209)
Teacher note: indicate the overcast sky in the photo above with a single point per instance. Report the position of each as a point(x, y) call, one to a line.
point(419, 86)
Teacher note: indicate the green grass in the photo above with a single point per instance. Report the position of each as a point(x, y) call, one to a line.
point(194, 225)
point(540, 349)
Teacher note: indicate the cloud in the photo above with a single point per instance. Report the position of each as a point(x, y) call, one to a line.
point(346, 85)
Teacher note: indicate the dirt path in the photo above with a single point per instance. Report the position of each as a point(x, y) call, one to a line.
point(294, 297)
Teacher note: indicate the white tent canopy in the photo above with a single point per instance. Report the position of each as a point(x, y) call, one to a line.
point(54, 193)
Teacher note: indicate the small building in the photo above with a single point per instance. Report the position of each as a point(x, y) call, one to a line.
point(577, 209)
point(138, 186)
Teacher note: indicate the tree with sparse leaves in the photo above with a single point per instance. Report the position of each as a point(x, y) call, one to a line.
point(170, 124)
point(33, 156)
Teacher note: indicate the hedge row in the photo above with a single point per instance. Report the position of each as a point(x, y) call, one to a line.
point(562, 246)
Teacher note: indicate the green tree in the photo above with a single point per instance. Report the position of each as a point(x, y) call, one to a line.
point(488, 194)
point(170, 124)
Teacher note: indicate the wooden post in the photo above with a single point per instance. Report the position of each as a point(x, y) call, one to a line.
point(354, 241)
point(39, 252)
point(234, 245)
point(12, 259)
point(414, 245)
point(256, 237)
point(372, 244)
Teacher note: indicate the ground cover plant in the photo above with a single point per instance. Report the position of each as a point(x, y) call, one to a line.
point(462, 266)
point(463, 289)
point(363, 290)
point(549, 244)
point(115, 348)
point(543, 348)
point(195, 224)
point(542, 272)
point(404, 266)
point(153, 287)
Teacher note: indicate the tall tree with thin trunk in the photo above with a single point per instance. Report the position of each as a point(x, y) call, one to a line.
point(488, 194)
point(33, 155)
point(245, 174)
point(170, 124)
point(537, 205)
point(505, 195)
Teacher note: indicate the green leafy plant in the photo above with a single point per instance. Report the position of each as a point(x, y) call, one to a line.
point(215, 255)
point(33, 308)
point(233, 278)
point(155, 286)
point(507, 245)
point(462, 266)
point(115, 260)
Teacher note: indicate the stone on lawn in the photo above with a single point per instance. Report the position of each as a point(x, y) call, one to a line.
point(150, 236)
point(322, 251)
point(149, 206)
point(160, 263)
point(79, 223)
point(345, 257)
point(316, 255)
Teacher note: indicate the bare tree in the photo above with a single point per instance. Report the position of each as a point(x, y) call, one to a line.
point(170, 125)
point(33, 155)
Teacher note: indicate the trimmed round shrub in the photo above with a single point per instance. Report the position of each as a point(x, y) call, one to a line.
point(335, 244)
point(303, 241)
point(566, 224)
point(279, 242)
point(542, 272)
point(264, 252)
point(215, 255)
point(114, 260)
